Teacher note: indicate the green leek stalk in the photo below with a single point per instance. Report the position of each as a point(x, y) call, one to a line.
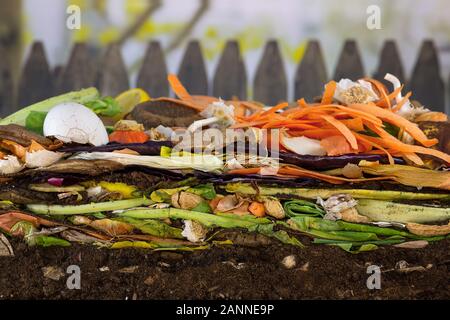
point(156, 246)
point(224, 220)
point(81, 96)
point(88, 208)
point(155, 228)
point(207, 219)
point(308, 193)
point(302, 207)
point(342, 229)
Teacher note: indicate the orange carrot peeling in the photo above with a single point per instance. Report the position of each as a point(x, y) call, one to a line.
point(178, 88)
point(398, 121)
point(343, 130)
point(330, 88)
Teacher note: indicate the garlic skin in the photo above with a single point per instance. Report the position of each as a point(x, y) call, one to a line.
point(94, 191)
point(217, 114)
point(73, 122)
point(186, 200)
point(229, 202)
point(350, 92)
point(274, 208)
point(336, 204)
point(128, 125)
point(42, 158)
point(194, 231)
point(160, 133)
point(233, 163)
point(10, 165)
point(303, 145)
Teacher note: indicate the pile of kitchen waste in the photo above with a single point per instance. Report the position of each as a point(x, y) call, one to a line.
point(358, 168)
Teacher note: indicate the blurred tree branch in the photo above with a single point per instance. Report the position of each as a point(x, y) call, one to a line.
point(184, 33)
point(137, 24)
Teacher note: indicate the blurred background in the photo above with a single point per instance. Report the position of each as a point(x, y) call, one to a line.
point(133, 23)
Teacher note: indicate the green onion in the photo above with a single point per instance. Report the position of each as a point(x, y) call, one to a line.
point(46, 187)
point(307, 193)
point(88, 208)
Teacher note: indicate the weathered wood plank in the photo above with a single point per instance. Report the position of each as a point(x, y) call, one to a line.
point(230, 74)
point(349, 64)
point(311, 74)
point(152, 76)
point(243, 79)
point(390, 62)
point(6, 86)
point(192, 71)
point(57, 74)
point(426, 83)
point(79, 72)
point(112, 77)
point(36, 81)
point(270, 84)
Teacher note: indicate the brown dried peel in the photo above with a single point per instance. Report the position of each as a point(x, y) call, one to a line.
point(428, 230)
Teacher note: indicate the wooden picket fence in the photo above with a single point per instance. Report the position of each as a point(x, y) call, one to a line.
point(270, 84)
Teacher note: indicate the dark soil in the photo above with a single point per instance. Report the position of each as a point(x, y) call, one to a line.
point(231, 272)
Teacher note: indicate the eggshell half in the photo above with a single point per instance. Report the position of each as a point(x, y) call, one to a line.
point(73, 122)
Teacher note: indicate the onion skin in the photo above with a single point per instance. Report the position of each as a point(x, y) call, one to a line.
point(317, 162)
point(57, 182)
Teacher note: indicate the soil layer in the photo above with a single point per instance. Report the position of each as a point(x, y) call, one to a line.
point(225, 272)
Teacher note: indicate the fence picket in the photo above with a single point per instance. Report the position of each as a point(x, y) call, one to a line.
point(311, 74)
point(349, 64)
point(152, 76)
point(426, 82)
point(228, 76)
point(79, 72)
point(57, 74)
point(36, 82)
point(389, 62)
point(192, 71)
point(113, 76)
point(270, 83)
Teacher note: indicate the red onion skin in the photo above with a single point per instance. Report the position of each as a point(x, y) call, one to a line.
point(57, 182)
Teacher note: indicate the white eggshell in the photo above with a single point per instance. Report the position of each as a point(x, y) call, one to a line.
point(73, 122)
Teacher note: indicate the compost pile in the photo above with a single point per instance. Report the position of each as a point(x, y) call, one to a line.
point(360, 168)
